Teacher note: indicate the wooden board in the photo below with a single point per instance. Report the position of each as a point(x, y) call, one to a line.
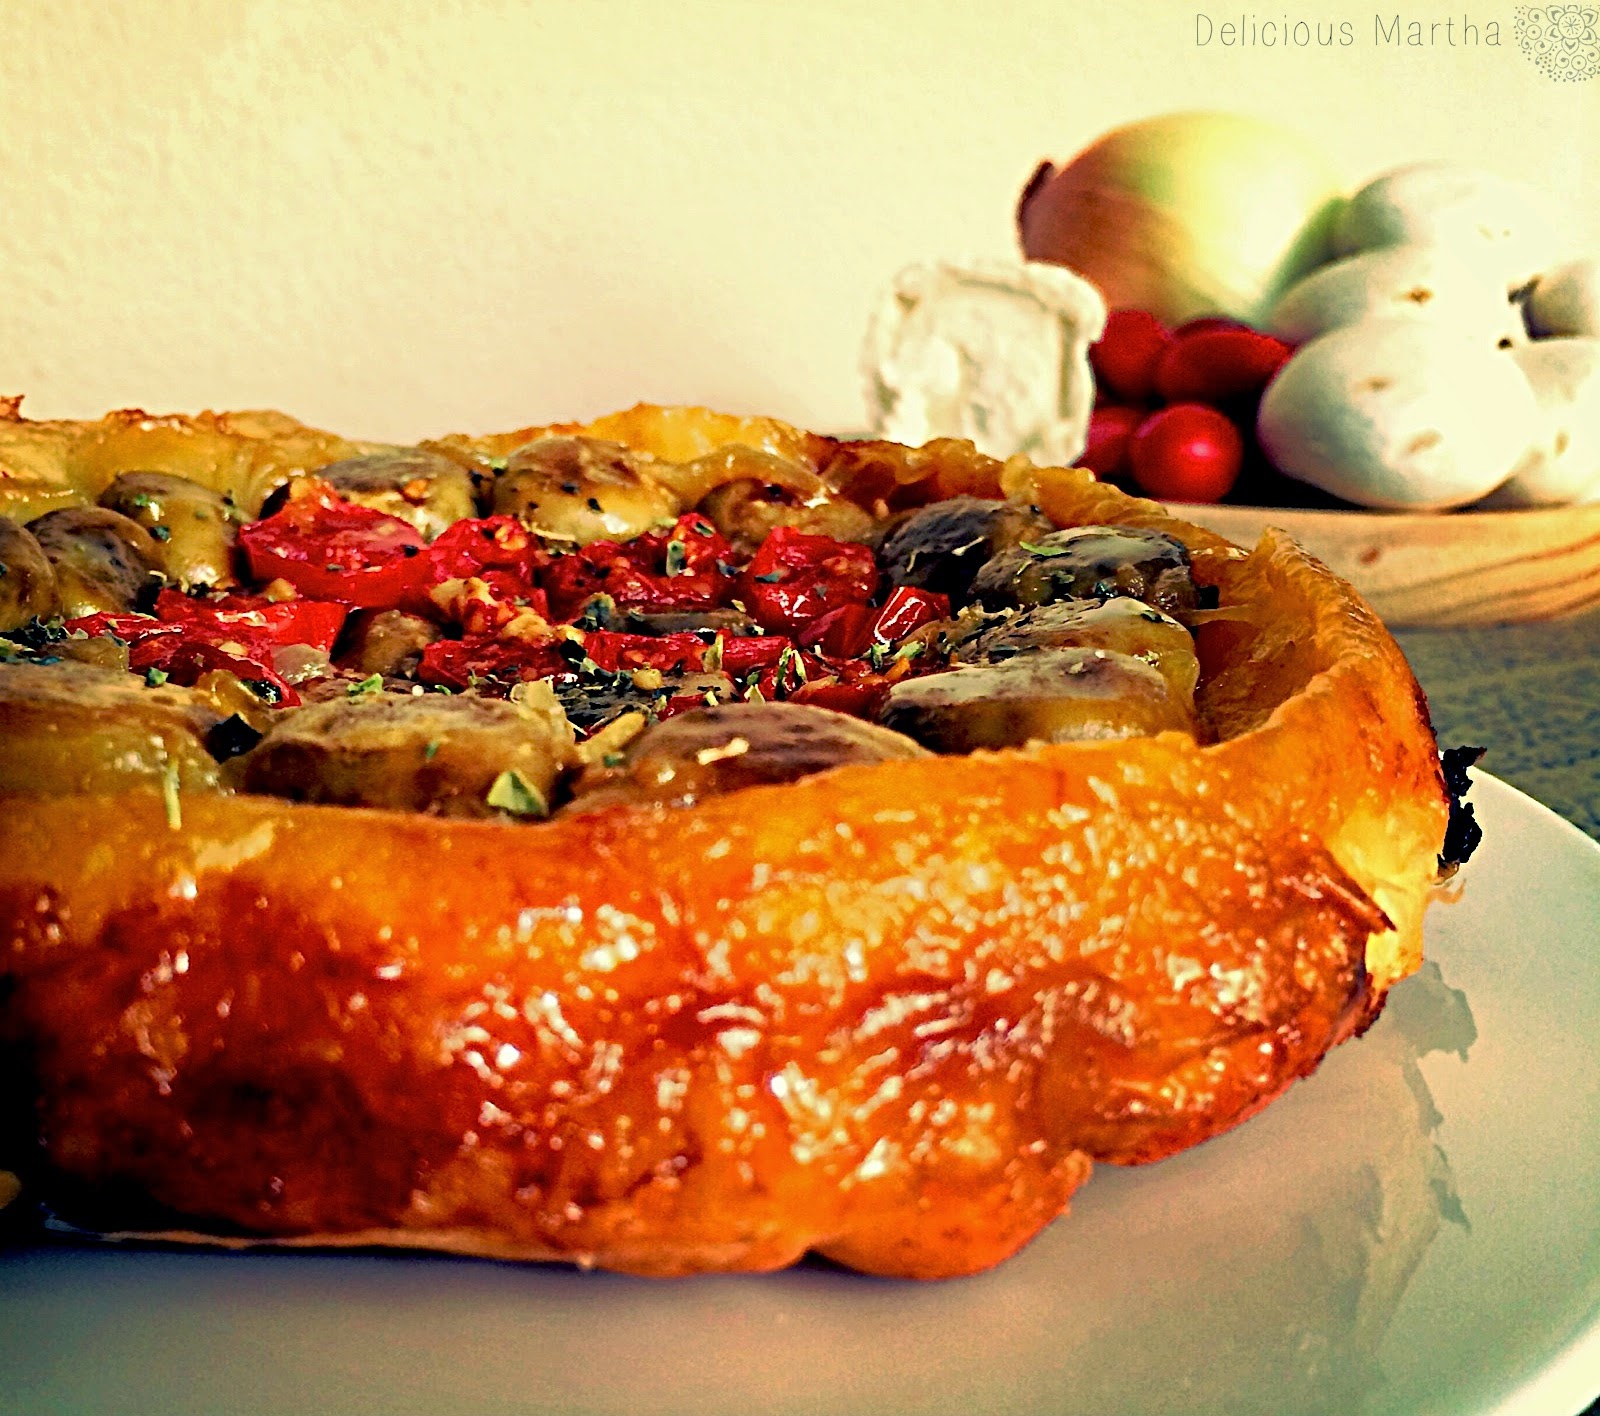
point(1440, 569)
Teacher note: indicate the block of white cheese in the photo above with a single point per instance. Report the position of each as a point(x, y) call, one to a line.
point(995, 351)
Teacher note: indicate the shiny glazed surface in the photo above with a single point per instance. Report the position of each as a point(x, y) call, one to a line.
point(889, 1013)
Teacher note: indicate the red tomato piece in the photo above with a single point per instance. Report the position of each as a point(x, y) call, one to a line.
point(686, 568)
point(861, 699)
point(1186, 453)
point(253, 619)
point(482, 660)
point(843, 633)
point(616, 652)
point(131, 628)
point(1105, 453)
point(745, 654)
point(331, 549)
point(184, 659)
point(1125, 356)
point(1219, 366)
point(795, 578)
point(906, 609)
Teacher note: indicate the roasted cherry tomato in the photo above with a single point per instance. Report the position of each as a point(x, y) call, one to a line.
point(746, 653)
point(861, 699)
point(253, 619)
point(1105, 453)
point(1125, 356)
point(843, 633)
point(906, 609)
point(184, 659)
point(130, 627)
point(795, 578)
point(685, 568)
point(1186, 453)
point(1219, 366)
point(482, 660)
point(331, 549)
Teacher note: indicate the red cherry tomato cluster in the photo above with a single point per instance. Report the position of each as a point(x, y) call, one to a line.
point(1173, 407)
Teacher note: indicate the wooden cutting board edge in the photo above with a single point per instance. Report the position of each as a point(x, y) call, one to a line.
point(1441, 569)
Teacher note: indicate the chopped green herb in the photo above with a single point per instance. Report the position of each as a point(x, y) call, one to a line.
point(143, 500)
point(677, 558)
point(875, 655)
point(368, 686)
point(772, 577)
point(613, 759)
point(431, 751)
point(161, 533)
point(711, 660)
point(515, 793)
point(1033, 548)
point(443, 688)
point(169, 796)
point(154, 677)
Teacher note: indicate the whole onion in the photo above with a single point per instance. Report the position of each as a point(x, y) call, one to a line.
point(1185, 214)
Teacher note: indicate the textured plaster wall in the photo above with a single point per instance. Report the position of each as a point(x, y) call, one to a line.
point(407, 217)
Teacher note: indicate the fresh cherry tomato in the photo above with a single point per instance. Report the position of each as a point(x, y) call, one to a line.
point(1202, 323)
point(1125, 356)
point(1106, 451)
point(331, 549)
point(1219, 366)
point(1186, 453)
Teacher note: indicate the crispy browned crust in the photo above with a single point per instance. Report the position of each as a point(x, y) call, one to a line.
point(889, 1013)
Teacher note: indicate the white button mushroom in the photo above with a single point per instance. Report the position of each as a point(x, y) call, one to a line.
point(1566, 300)
point(1398, 413)
point(1492, 223)
point(1563, 463)
point(1397, 282)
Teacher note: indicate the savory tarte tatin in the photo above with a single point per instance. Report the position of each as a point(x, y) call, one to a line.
point(673, 843)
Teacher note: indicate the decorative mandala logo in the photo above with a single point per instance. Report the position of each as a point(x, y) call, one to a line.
point(1562, 40)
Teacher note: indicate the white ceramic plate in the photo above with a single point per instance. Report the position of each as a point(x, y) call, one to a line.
point(1414, 1230)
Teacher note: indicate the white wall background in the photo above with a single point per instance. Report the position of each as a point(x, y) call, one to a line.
point(402, 218)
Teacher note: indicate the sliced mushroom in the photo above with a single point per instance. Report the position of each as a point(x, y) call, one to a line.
point(426, 489)
point(732, 622)
point(74, 728)
point(193, 527)
point(714, 750)
point(386, 642)
point(460, 756)
point(583, 489)
point(1121, 624)
point(102, 560)
point(1051, 695)
point(746, 512)
point(1091, 563)
point(940, 547)
point(27, 579)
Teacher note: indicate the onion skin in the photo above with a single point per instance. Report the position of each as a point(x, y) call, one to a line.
point(1186, 214)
